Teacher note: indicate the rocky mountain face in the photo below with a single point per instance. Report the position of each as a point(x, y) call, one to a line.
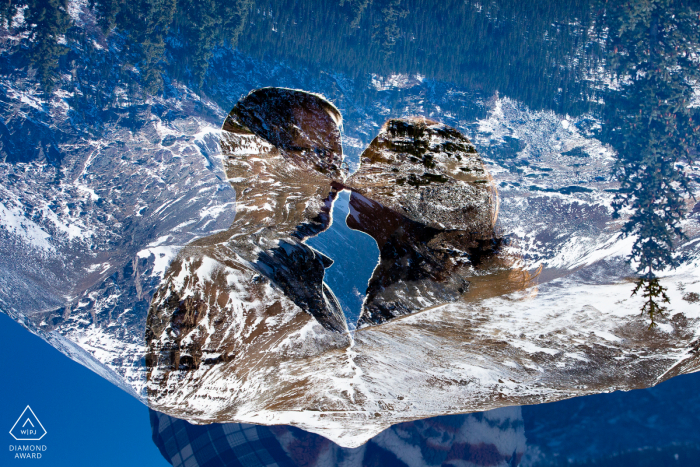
point(409, 154)
point(229, 297)
point(225, 299)
point(121, 209)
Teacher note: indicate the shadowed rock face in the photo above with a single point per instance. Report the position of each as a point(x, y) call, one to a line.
point(419, 266)
point(283, 150)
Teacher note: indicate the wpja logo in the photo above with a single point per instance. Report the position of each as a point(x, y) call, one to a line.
point(28, 428)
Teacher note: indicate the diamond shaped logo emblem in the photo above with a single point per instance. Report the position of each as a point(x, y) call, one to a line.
point(28, 427)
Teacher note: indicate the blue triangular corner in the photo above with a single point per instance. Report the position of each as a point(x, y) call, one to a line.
point(28, 427)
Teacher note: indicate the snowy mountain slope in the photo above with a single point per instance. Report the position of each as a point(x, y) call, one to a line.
point(87, 235)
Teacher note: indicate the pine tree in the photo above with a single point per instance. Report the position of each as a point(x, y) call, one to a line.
point(652, 51)
point(46, 21)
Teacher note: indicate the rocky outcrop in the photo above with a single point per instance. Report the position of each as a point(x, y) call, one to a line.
point(419, 266)
point(305, 127)
point(429, 173)
point(284, 159)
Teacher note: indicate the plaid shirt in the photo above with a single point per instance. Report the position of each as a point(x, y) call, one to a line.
point(216, 445)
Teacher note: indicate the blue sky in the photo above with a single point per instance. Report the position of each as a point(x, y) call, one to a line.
point(89, 421)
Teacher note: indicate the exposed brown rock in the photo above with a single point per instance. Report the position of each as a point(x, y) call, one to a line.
point(424, 195)
point(429, 173)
